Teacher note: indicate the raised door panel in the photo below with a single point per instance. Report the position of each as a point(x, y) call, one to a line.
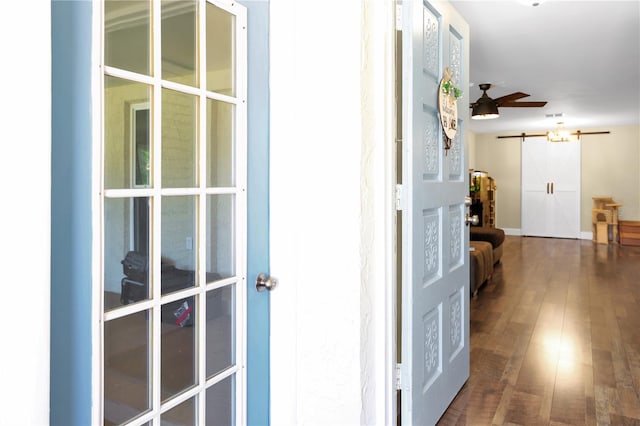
point(534, 214)
point(535, 187)
point(563, 213)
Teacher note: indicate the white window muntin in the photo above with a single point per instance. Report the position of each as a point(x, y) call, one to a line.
point(156, 193)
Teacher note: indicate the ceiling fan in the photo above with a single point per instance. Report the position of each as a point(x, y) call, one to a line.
point(485, 107)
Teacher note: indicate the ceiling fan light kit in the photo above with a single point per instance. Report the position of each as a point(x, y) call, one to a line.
point(486, 108)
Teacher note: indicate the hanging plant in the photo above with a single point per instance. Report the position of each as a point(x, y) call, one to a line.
point(448, 88)
point(448, 108)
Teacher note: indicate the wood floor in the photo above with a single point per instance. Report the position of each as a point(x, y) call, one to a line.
point(555, 338)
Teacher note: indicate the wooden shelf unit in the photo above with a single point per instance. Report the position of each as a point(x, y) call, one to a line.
point(482, 190)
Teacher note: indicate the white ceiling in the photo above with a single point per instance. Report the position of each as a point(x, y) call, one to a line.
point(582, 57)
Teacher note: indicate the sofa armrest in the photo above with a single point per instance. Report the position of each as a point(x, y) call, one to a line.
point(495, 236)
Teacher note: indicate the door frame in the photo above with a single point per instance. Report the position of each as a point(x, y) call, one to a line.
point(367, 157)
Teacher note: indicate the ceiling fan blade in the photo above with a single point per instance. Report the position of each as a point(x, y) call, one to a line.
point(511, 97)
point(524, 104)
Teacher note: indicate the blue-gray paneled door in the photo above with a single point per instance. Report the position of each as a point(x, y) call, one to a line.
point(71, 318)
point(435, 286)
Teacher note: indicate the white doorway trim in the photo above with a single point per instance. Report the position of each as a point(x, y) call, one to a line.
point(332, 162)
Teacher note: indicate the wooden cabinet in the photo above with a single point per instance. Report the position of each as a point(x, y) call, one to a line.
point(630, 232)
point(482, 189)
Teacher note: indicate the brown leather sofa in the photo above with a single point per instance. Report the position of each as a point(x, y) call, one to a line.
point(486, 251)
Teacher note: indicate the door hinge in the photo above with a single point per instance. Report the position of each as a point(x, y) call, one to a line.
point(398, 376)
point(398, 16)
point(399, 197)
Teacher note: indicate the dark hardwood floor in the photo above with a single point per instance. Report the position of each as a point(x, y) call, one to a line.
point(555, 338)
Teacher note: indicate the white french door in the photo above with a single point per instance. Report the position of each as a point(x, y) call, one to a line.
point(173, 213)
point(435, 241)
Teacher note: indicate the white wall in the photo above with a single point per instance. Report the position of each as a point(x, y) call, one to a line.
point(25, 185)
point(611, 167)
point(329, 175)
point(471, 147)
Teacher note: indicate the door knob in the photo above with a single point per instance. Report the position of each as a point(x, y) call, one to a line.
point(265, 282)
point(471, 219)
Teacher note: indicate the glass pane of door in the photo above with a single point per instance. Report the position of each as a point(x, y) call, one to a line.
point(221, 325)
point(179, 137)
point(127, 35)
point(127, 131)
point(126, 252)
point(178, 341)
point(220, 410)
point(180, 41)
point(220, 237)
point(220, 126)
point(179, 243)
point(183, 415)
point(127, 368)
point(173, 210)
point(220, 50)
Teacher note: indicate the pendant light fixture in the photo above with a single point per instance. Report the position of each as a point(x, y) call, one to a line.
point(484, 108)
point(560, 134)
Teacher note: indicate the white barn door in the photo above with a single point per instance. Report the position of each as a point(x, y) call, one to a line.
point(435, 283)
point(550, 188)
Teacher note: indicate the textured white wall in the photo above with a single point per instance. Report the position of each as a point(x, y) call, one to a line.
point(378, 226)
point(328, 212)
point(315, 200)
point(25, 184)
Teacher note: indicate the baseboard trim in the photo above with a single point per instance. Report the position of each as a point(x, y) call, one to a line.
point(512, 231)
point(518, 232)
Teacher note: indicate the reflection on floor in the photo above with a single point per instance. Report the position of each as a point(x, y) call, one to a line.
point(128, 369)
point(555, 338)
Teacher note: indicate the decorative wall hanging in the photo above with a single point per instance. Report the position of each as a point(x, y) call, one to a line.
point(448, 94)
